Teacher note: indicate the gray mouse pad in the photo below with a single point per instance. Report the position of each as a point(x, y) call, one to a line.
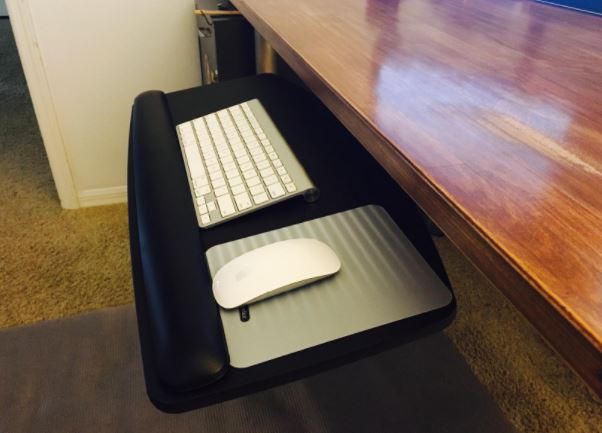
point(382, 279)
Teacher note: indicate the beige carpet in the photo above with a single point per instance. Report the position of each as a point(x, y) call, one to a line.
point(56, 263)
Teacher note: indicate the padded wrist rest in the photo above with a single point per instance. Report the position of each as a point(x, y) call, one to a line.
point(189, 349)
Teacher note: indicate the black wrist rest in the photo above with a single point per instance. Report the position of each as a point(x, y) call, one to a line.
point(188, 345)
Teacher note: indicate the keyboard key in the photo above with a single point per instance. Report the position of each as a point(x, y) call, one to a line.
point(205, 219)
point(276, 190)
point(277, 163)
point(263, 164)
point(246, 166)
point(253, 181)
point(221, 191)
point(273, 156)
point(270, 180)
point(259, 158)
point(213, 168)
point(290, 187)
point(269, 149)
point(238, 189)
point(228, 166)
point(203, 209)
point(249, 174)
point(200, 181)
point(195, 164)
point(185, 129)
point(260, 198)
point(202, 191)
point(235, 181)
point(243, 201)
point(266, 172)
point(219, 182)
point(257, 189)
point(256, 151)
point(286, 178)
point(281, 170)
point(200, 200)
point(231, 174)
point(210, 206)
point(226, 207)
point(227, 160)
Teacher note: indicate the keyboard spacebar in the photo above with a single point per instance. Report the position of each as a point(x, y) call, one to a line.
point(195, 163)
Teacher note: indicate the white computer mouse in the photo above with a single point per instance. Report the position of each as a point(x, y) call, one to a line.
point(273, 269)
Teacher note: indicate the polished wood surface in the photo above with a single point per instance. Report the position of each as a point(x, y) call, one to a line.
point(489, 113)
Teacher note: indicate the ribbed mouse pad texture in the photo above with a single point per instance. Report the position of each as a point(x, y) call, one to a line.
point(382, 279)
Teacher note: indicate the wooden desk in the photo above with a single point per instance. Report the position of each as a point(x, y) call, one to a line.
point(489, 113)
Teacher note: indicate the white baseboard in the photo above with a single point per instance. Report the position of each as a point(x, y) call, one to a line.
point(102, 196)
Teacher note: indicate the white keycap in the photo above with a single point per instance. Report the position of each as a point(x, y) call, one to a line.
point(235, 181)
point(277, 163)
point(260, 198)
point(263, 164)
point(217, 183)
point(202, 191)
point(238, 189)
point(203, 209)
point(290, 187)
point(286, 178)
point(273, 156)
point(281, 170)
point(226, 207)
point(276, 190)
point(247, 166)
point(266, 172)
point(249, 174)
point(221, 191)
point(259, 158)
point(231, 174)
point(269, 149)
point(253, 181)
point(205, 219)
point(195, 164)
point(227, 166)
point(200, 200)
point(188, 140)
point(270, 180)
point(257, 189)
point(216, 175)
point(200, 181)
point(243, 159)
point(210, 206)
point(185, 129)
point(243, 201)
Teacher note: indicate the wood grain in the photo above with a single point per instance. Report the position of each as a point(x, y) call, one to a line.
point(489, 113)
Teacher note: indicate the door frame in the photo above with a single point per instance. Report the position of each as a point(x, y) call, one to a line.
point(43, 103)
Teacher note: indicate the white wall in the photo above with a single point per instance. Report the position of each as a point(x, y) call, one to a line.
point(96, 57)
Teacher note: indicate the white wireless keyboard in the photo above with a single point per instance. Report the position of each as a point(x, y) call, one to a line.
point(237, 162)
